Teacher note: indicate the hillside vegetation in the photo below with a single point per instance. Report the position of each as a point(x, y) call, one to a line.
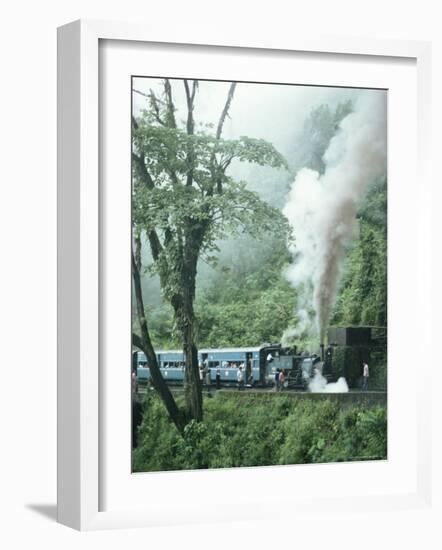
point(260, 430)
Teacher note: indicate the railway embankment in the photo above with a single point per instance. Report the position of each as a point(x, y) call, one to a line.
point(347, 399)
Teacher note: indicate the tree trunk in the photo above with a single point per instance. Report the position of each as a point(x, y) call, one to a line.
point(192, 382)
point(144, 342)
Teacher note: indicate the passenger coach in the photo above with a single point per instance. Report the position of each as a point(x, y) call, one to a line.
point(226, 360)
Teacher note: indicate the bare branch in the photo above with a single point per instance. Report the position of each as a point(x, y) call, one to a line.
point(190, 126)
point(226, 163)
point(155, 244)
point(136, 341)
point(137, 247)
point(170, 105)
point(142, 170)
point(143, 173)
point(225, 111)
point(140, 93)
point(156, 109)
point(190, 97)
point(219, 169)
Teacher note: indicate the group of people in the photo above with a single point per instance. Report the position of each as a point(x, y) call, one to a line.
point(280, 378)
point(205, 375)
point(241, 376)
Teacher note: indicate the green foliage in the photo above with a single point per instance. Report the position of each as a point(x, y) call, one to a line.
point(249, 302)
point(363, 436)
point(261, 430)
point(378, 369)
point(363, 296)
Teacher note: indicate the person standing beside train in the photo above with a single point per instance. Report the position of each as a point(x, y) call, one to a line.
point(134, 382)
point(277, 380)
point(365, 376)
point(240, 378)
point(201, 369)
point(208, 377)
point(281, 380)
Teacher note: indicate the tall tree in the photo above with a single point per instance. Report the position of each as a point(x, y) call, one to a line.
point(184, 200)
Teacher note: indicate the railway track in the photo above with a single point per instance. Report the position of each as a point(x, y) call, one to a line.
point(271, 391)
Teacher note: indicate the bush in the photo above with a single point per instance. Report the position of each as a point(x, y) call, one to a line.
point(260, 430)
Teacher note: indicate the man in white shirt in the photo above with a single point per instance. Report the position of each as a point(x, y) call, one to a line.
point(240, 378)
point(365, 376)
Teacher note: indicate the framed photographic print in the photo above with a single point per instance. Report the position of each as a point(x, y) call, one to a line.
point(233, 276)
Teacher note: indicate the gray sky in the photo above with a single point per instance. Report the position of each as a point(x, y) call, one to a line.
point(274, 112)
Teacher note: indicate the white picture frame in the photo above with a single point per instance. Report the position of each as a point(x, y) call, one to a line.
point(79, 275)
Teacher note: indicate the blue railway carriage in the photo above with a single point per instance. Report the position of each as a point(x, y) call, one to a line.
point(171, 363)
point(224, 361)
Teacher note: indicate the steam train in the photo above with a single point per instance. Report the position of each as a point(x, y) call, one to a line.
point(348, 348)
point(260, 365)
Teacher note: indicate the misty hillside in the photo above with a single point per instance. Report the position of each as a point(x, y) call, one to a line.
point(244, 294)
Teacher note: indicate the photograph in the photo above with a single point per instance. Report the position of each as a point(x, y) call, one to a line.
point(259, 274)
point(222, 251)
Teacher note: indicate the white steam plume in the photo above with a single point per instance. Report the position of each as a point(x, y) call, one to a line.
point(322, 208)
point(304, 326)
point(319, 385)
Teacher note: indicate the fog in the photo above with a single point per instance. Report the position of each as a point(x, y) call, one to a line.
point(274, 112)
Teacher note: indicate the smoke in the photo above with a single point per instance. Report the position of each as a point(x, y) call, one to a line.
point(322, 208)
point(304, 326)
point(319, 385)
